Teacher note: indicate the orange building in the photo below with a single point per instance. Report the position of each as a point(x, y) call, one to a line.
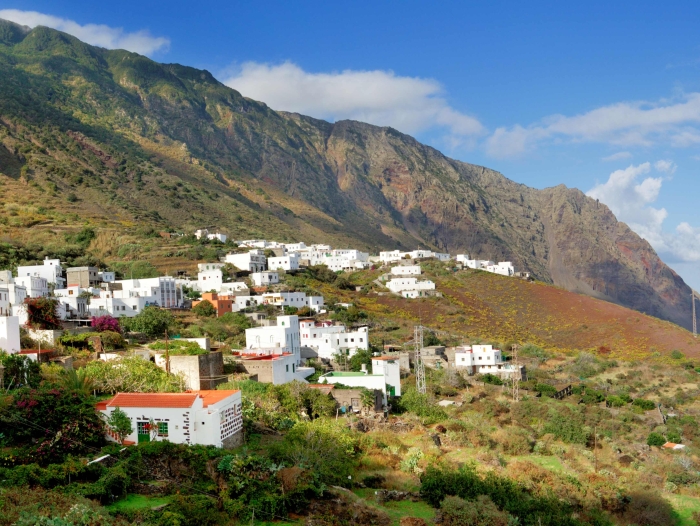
point(222, 304)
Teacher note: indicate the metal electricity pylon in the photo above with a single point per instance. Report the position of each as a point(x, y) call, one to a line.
point(419, 364)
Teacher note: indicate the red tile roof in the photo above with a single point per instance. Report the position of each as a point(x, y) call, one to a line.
point(153, 400)
point(37, 351)
point(214, 397)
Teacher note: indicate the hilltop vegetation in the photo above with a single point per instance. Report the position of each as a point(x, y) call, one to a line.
point(115, 141)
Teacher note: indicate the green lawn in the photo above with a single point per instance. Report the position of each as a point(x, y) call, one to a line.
point(397, 510)
point(685, 506)
point(134, 502)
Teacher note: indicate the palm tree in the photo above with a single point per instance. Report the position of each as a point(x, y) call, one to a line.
point(73, 380)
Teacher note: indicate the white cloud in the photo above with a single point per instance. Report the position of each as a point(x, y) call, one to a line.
point(409, 104)
point(631, 201)
point(617, 156)
point(96, 34)
point(625, 124)
point(667, 167)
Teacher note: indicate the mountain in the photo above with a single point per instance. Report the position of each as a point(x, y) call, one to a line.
point(116, 139)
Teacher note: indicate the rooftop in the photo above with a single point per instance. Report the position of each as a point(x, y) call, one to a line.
point(211, 397)
point(152, 400)
point(344, 373)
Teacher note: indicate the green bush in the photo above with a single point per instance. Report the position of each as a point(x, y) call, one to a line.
point(615, 401)
point(546, 390)
point(437, 483)
point(656, 439)
point(179, 347)
point(455, 511)
point(491, 379)
point(676, 354)
point(420, 405)
point(205, 309)
point(646, 405)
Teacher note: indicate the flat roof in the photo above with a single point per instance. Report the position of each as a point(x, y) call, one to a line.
point(344, 373)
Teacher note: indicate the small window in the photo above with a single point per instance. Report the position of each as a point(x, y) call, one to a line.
point(287, 368)
point(162, 429)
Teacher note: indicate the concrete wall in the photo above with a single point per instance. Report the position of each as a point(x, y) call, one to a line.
point(203, 371)
point(353, 397)
point(9, 334)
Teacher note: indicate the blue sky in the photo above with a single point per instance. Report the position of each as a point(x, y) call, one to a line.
point(604, 97)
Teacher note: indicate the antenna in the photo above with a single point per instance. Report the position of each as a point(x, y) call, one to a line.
point(516, 374)
point(420, 365)
point(695, 321)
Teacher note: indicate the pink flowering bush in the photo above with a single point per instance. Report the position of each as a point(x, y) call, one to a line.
point(105, 323)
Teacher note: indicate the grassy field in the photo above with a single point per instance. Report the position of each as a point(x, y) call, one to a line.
point(133, 502)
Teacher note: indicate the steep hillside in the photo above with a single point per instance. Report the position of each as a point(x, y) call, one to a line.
point(120, 139)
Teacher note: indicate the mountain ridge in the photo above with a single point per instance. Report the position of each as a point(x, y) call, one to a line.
point(171, 146)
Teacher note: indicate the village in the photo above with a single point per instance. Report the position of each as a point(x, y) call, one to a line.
point(278, 348)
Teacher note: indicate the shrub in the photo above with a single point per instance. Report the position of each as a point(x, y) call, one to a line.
point(674, 436)
point(20, 371)
point(324, 447)
point(105, 323)
point(204, 309)
point(676, 354)
point(646, 405)
point(546, 390)
point(132, 374)
point(656, 439)
point(41, 313)
point(615, 401)
point(52, 423)
point(479, 512)
point(179, 347)
point(491, 379)
point(151, 321)
point(421, 405)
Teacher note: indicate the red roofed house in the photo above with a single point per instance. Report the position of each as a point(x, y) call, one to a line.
point(211, 418)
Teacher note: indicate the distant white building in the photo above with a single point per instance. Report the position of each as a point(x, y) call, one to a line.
point(289, 262)
point(208, 280)
point(252, 261)
point(328, 339)
point(409, 285)
point(107, 276)
point(293, 299)
point(243, 302)
point(204, 233)
point(295, 247)
point(504, 268)
point(5, 305)
point(9, 334)
point(483, 359)
point(264, 279)
point(235, 288)
point(210, 266)
point(406, 270)
point(284, 335)
point(50, 270)
point(386, 376)
point(35, 286)
point(210, 418)
point(130, 296)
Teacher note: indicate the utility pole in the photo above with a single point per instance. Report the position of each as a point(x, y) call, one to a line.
point(695, 321)
point(419, 364)
point(595, 448)
point(167, 354)
point(516, 374)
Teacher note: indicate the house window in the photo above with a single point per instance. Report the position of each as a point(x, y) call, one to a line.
point(162, 429)
point(287, 368)
point(293, 369)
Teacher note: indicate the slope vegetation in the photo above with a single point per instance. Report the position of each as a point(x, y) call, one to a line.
point(124, 140)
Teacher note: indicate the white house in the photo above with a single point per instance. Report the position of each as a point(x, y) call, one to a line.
point(284, 335)
point(35, 286)
point(243, 302)
point(51, 271)
point(391, 256)
point(406, 270)
point(251, 261)
point(107, 276)
point(210, 418)
point(5, 304)
point(482, 359)
point(295, 247)
point(9, 334)
point(209, 266)
point(403, 285)
point(234, 288)
point(130, 296)
point(289, 262)
point(208, 280)
point(263, 279)
point(386, 376)
point(328, 339)
point(293, 299)
point(504, 268)
point(350, 254)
